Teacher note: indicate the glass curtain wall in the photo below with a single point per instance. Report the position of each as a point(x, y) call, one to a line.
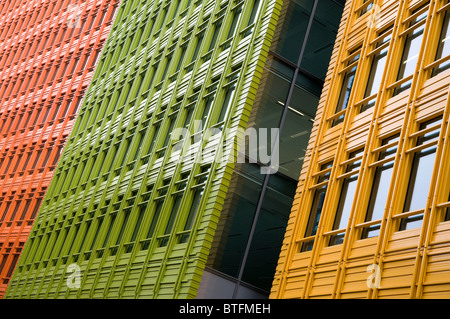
point(248, 238)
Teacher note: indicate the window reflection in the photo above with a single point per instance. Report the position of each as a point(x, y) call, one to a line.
point(443, 48)
point(249, 257)
point(255, 10)
point(420, 176)
point(376, 70)
point(321, 38)
point(292, 29)
point(236, 220)
point(294, 136)
point(367, 5)
point(411, 51)
point(269, 232)
point(447, 212)
point(346, 87)
point(380, 187)
point(316, 208)
point(348, 191)
point(227, 102)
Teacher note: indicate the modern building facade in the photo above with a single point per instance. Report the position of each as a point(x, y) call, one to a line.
point(154, 195)
point(255, 212)
point(370, 217)
point(48, 51)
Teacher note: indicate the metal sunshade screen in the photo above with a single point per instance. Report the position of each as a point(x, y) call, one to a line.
point(125, 211)
point(394, 238)
point(48, 53)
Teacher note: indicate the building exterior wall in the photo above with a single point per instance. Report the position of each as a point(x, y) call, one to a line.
point(48, 53)
point(378, 160)
point(124, 210)
point(256, 208)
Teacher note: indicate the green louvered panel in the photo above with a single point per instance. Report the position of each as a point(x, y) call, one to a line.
point(130, 205)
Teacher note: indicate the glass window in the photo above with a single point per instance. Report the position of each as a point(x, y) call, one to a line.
point(8, 204)
point(365, 7)
point(317, 205)
point(205, 114)
point(380, 187)
point(139, 146)
point(255, 10)
point(411, 51)
point(321, 38)
point(420, 176)
point(181, 57)
point(173, 214)
point(447, 212)
point(136, 228)
point(227, 102)
point(235, 223)
point(153, 140)
point(36, 208)
point(215, 35)
point(234, 23)
point(192, 214)
point(197, 49)
point(125, 154)
point(346, 87)
point(12, 266)
point(269, 232)
point(266, 115)
point(443, 48)
point(110, 227)
point(348, 191)
point(292, 28)
point(294, 135)
point(376, 71)
point(122, 227)
point(146, 244)
point(169, 131)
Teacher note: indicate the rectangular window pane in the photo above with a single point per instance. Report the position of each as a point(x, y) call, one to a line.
point(410, 54)
point(344, 95)
point(193, 210)
point(443, 48)
point(122, 228)
point(12, 266)
point(153, 224)
point(171, 221)
point(180, 59)
point(420, 177)
point(173, 214)
point(233, 26)
point(197, 47)
point(111, 224)
point(346, 87)
point(138, 224)
point(215, 35)
point(227, 102)
point(447, 212)
point(380, 188)
point(348, 191)
point(375, 75)
point(316, 208)
point(314, 217)
point(366, 8)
